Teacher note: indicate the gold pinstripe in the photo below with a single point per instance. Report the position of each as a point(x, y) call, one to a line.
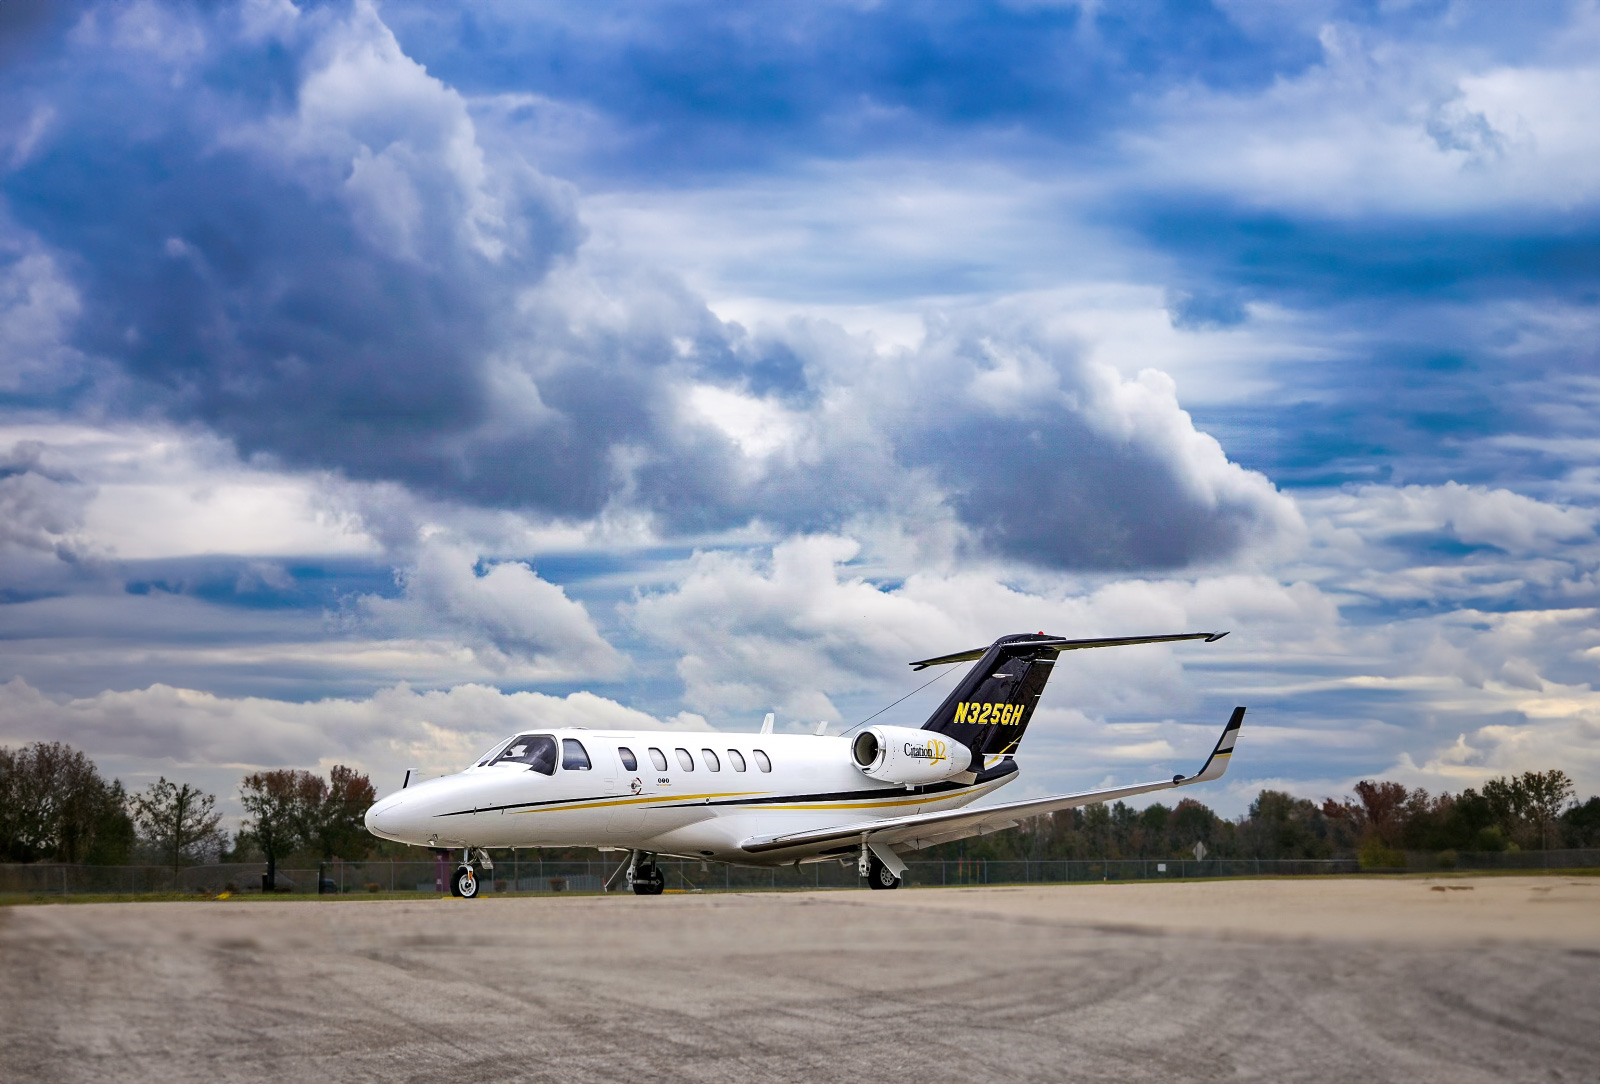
point(660, 799)
point(926, 799)
point(639, 801)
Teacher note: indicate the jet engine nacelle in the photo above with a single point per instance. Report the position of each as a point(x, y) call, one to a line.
point(900, 754)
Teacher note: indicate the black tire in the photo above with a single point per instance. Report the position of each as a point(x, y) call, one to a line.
point(465, 883)
point(648, 880)
point(880, 876)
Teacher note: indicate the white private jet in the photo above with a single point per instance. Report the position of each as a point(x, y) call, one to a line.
point(765, 799)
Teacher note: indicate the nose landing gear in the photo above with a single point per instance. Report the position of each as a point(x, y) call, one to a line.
point(465, 883)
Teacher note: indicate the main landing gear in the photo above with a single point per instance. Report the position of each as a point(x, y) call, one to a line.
point(878, 875)
point(645, 876)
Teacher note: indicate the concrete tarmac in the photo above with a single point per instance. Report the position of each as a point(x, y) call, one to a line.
point(1460, 980)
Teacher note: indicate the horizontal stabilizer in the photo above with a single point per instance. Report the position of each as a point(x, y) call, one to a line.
point(1074, 645)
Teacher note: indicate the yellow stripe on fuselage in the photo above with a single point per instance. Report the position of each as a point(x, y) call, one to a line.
point(837, 803)
point(639, 801)
point(926, 799)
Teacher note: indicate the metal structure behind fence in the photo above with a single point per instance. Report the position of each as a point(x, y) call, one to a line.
point(530, 874)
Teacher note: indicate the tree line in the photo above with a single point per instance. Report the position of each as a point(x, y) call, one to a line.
point(55, 806)
point(1378, 823)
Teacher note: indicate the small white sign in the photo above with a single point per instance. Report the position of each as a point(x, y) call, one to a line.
point(1161, 867)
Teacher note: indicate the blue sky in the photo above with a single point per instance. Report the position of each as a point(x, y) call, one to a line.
point(377, 379)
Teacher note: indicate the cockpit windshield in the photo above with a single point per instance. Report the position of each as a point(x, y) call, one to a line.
point(537, 751)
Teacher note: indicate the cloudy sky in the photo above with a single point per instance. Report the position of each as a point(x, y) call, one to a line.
point(378, 379)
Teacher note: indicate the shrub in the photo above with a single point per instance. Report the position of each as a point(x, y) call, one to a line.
point(1374, 855)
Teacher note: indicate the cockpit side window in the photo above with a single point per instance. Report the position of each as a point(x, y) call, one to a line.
point(488, 758)
point(537, 751)
point(574, 757)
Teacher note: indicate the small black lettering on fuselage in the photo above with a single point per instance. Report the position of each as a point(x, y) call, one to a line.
point(932, 750)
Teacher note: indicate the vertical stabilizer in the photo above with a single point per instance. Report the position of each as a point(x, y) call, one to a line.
point(989, 710)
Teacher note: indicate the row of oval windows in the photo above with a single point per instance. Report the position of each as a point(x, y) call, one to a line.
point(538, 751)
point(686, 759)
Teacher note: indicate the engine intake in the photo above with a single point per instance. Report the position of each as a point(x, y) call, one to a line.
point(900, 754)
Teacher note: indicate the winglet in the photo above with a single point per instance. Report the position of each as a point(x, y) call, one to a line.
point(1217, 762)
point(766, 724)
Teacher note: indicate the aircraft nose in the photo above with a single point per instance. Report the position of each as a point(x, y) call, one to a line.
point(383, 818)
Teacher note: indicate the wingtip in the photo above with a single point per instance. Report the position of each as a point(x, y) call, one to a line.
point(1213, 637)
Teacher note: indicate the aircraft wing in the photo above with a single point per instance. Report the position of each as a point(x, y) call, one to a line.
point(926, 829)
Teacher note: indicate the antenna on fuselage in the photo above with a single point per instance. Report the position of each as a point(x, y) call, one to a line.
point(766, 724)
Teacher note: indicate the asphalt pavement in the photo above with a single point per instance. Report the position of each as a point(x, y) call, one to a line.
point(1040, 984)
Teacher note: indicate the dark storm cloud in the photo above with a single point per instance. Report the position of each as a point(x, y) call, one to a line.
point(1453, 332)
point(293, 234)
point(333, 313)
point(703, 86)
point(1054, 461)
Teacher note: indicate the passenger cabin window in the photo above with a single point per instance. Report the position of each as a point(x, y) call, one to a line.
point(712, 763)
point(537, 751)
point(761, 761)
point(574, 757)
point(736, 759)
point(658, 758)
point(629, 761)
point(685, 760)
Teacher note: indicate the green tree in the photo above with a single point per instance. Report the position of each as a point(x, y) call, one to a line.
point(1583, 823)
point(178, 822)
point(54, 805)
point(1544, 796)
point(1464, 822)
point(1193, 822)
point(279, 804)
point(336, 814)
point(113, 834)
point(1280, 825)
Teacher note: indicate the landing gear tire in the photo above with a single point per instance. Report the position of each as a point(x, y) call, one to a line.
point(464, 883)
point(648, 880)
point(880, 876)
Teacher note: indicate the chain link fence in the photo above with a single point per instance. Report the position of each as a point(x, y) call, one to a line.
point(526, 874)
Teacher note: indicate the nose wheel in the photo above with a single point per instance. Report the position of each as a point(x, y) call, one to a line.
point(465, 883)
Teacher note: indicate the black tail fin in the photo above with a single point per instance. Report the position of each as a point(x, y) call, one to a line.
point(990, 709)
